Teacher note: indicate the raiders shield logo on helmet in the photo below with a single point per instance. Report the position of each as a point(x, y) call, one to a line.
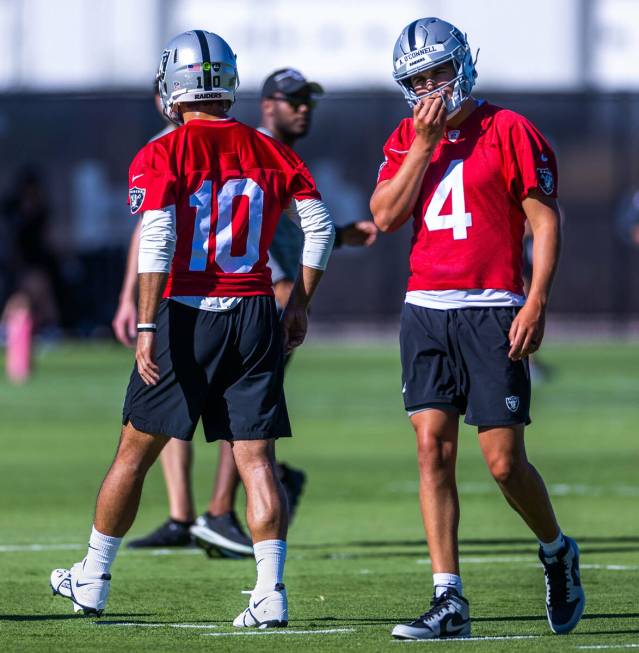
point(546, 180)
point(136, 197)
point(512, 403)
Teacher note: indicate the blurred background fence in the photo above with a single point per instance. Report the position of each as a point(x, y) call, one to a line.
point(77, 106)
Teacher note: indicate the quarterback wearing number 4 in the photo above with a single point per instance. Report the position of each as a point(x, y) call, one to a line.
point(210, 344)
point(470, 174)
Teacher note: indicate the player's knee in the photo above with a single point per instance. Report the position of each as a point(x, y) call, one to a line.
point(504, 469)
point(433, 455)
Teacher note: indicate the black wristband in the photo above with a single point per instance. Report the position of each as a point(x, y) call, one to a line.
point(338, 237)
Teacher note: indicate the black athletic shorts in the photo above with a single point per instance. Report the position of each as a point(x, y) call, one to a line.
point(226, 367)
point(458, 359)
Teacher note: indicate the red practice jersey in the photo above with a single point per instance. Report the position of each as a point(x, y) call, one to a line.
point(468, 219)
point(228, 184)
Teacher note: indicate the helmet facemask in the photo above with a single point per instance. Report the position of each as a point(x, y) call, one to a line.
point(440, 43)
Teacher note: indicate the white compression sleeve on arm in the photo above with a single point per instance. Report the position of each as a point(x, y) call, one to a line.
point(319, 231)
point(157, 240)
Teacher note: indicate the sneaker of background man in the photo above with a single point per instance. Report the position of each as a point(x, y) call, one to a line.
point(565, 598)
point(269, 610)
point(448, 617)
point(293, 481)
point(87, 593)
point(223, 534)
point(171, 533)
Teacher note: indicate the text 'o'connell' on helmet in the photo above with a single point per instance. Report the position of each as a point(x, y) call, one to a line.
point(429, 42)
point(196, 66)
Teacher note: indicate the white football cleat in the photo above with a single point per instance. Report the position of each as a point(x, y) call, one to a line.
point(87, 593)
point(268, 610)
point(448, 617)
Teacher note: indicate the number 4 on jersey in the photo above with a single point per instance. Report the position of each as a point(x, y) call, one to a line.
point(458, 220)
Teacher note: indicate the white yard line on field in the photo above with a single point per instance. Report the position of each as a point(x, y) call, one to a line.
point(604, 646)
point(555, 489)
point(527, 562)
point(246, 633)
point(19, 548)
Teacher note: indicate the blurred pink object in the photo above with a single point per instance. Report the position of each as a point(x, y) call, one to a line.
point(19, 336)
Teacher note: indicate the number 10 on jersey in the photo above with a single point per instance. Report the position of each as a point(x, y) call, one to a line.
point(452, 183)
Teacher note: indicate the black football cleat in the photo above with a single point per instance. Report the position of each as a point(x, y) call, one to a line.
point(449, 616)
point(170, 534)
point(222, 535)
point(565, 598)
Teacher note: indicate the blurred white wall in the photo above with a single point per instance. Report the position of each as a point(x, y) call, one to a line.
point(345, 44)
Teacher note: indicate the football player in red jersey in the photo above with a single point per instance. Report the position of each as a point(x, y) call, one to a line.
point(288, 99)
point(209, 342)
point(470, 174)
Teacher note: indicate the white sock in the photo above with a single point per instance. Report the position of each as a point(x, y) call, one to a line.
point(442, 582)
point(101, 553)
point(552, 548)
point(270, 556)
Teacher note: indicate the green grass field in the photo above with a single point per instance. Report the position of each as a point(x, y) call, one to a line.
point(357, 561)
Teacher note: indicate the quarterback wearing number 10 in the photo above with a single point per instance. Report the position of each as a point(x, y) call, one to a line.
point(210, 344)
point(470, 174)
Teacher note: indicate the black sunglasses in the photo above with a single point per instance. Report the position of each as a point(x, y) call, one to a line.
point(295, 102)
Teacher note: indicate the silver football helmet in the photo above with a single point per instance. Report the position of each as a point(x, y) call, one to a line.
point(196, 66)
point(429, 42)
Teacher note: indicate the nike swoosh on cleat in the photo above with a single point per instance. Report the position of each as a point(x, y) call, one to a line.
point(453, 626)
point(77, 584)
point(255, 604)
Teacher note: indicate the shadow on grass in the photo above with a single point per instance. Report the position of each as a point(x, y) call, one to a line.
point(621, 539)
point(390, 620)
point(528, 551)
point(62, 617)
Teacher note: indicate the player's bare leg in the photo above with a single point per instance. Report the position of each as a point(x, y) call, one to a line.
point(505, 453)
point(267, 517)
point(119, 496)
point(227, 480)
point(177, 461)
point(522, 486)
point(86, 584)
point(437, 435)
point(218, 530)
point(266, 512)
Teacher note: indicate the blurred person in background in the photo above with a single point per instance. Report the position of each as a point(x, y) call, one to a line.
point(471, 174)
point(210, 343)
point(287, 104)
point(628, 218)
point(31, 269)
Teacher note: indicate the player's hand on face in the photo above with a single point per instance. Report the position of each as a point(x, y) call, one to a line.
point(429, 120)
point(294, 326)
point(125, 322)
point(526, 331)
point(361, 233)
point(145, 357)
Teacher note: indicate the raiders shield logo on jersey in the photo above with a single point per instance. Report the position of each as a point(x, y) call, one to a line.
point(512, 403)
point(546, 180)
point(136, 197)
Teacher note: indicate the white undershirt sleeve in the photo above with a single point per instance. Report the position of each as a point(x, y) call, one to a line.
point(313, 218)
point(157, 240)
